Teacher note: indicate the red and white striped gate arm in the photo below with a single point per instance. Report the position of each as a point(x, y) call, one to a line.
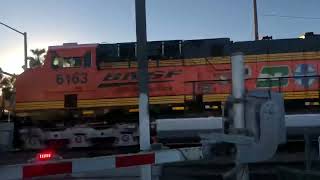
point(73, 166)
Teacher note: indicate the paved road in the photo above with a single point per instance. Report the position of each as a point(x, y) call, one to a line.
point(131, 173)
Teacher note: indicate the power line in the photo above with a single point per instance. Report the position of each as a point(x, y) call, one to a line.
point(292, 17)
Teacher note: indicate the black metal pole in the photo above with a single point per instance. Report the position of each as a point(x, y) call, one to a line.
point(25, 51)
point(11, 28)
point(307, 150)
point(25, 44)
point(255, 15)
point(142, 72)
point(144, 124)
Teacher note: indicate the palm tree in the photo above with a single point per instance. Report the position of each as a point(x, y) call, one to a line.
point(7, 83)
point(38, 53)
point(7, 87)
point(37, 60)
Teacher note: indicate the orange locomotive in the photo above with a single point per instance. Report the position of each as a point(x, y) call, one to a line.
point(101, 79)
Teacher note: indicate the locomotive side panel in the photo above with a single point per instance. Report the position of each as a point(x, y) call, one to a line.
point(118, 87)
point(173, 80)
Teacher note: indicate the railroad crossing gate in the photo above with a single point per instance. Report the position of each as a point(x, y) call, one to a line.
point(41, 168)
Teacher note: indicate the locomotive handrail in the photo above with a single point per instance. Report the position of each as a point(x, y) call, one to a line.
point(284, 77)
point(248, 79)
point(268, 80)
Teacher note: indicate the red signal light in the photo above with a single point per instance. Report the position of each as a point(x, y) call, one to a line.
point(45, 155)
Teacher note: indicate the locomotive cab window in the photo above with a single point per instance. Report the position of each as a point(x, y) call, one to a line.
point(87, 59)
point(66, 62)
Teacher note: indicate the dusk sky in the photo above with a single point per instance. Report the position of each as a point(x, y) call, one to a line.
point(53, 22)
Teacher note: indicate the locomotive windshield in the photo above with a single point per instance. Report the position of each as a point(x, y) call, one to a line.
point(70, 59)
point(66, 62)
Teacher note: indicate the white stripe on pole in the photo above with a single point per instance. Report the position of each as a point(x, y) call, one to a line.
point(238, 89)
point(145, 172)
point(144, 124)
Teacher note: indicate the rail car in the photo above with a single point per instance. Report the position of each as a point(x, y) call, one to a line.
point(97, 83)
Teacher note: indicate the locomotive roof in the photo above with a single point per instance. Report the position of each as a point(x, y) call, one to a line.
point(72, 45)
point(225, 46)
point(309, 43)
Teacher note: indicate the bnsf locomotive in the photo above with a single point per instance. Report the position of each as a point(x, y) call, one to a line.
point(97, 83)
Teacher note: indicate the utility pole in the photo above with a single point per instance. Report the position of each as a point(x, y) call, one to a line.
point(25, 44)
point(25, 51)
point(255, 15)
point(144, 122)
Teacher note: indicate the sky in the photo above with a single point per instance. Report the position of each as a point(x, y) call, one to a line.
point(53, 22)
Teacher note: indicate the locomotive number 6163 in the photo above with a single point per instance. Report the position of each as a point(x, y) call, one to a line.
point(75, 78)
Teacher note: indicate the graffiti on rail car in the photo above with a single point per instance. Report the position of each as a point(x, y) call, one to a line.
point(269, 76)
point(305, 75)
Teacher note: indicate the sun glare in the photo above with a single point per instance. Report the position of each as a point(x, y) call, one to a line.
point(12, 61)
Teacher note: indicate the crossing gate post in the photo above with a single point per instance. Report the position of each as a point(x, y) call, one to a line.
point(144, 124)
point(238, 91)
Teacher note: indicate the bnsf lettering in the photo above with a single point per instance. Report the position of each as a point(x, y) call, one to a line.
point(110, 77)
point(170, 74)
point(156, 74)
point(132, 76)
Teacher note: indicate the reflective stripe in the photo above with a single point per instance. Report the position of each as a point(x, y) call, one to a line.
point(135, 160)
point(47, 169)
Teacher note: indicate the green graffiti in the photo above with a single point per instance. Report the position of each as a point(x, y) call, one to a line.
point(270, 76)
